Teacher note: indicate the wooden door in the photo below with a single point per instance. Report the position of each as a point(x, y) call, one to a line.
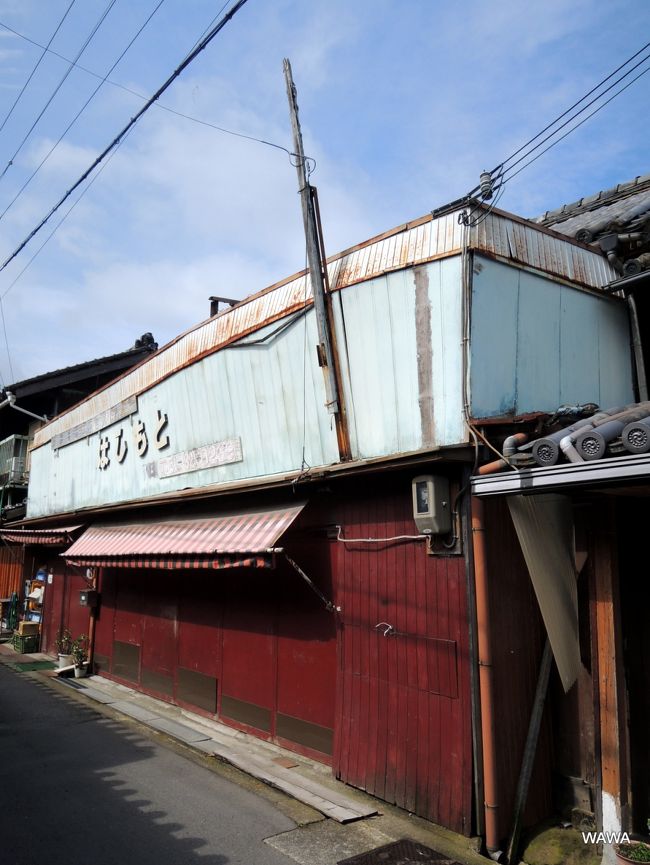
point(403, 720)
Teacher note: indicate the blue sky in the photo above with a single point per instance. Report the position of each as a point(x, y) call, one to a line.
point(402, 105)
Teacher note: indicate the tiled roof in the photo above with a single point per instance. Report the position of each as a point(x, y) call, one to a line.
point(626, 207)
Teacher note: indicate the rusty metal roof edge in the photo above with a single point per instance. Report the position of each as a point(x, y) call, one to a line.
point(453, 453)
point(572, 282)
point(165, 364)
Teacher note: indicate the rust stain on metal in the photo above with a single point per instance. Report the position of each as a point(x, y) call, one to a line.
point(424, 353)
point(415, 243)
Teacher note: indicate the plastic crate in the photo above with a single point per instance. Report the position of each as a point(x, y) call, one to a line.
point(25, 644)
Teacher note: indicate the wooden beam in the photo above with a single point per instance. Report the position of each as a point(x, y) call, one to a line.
point(614, 746)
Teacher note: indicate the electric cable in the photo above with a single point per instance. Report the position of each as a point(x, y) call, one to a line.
point(45, 48)
point(575, 104)
point(167, 83)
point(60, 222)
point(501, 170)
point(46, 241)
point(89, 39)
point(4, 328)
point(79, 113)
point(584, 120)
point(145, 98)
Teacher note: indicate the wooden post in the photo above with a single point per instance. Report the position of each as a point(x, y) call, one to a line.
point(317, 264)
point(614, 746)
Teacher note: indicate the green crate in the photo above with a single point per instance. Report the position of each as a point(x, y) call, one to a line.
point(26, 644)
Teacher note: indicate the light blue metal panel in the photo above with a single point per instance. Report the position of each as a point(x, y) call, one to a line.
point(579, 358)
point(493, 342)
point(261, 396)
point(616, 368)
point(445, 293)
point(396, 402)
point(538, 343)
point(370, 352)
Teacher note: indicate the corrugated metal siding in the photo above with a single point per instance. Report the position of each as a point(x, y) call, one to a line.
point(403, 730)
point(257, 394)
point(439, 238)
point(523, 243)
point(391, 407)
point(537, 344)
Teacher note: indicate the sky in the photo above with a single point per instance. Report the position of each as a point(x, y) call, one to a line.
point(402, 105)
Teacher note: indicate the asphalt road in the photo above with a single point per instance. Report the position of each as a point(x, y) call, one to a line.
point(78, 788)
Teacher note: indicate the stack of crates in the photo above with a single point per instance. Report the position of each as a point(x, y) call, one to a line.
point(26, 637)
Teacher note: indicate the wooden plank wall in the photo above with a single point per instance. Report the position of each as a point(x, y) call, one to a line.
point(403, 719)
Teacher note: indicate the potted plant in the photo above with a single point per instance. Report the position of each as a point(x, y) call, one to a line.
point(64, 644)
point(633, 851)
point(79, 647)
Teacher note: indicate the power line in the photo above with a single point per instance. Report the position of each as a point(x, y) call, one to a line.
point(190, 57)
point(575, 104)
point(61, 221)
point(78, 114)
point(145, 98)
point(578, 113)
point(38, 63)
point(4, 328)
point(59, 85)
point(584, 120)
point(501, 174)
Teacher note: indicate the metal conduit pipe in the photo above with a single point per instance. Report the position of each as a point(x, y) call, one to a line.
point(546, 451)
point(592, 444)
point(510, 446)
point(486, 684)
point(639, 364)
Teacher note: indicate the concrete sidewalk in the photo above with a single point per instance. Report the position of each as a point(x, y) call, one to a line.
point(356, 822)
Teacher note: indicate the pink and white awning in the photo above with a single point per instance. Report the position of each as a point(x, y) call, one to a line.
point(243, 539)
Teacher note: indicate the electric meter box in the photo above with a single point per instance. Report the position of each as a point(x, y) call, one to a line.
point(88, 598)
point(431, 504)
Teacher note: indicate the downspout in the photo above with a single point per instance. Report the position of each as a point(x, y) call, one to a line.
point(637, 347)
point(488, 723)
point(91, 627)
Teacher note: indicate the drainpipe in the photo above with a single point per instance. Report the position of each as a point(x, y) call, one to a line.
point(488, 721)
point(91, 627)
point(639, 363)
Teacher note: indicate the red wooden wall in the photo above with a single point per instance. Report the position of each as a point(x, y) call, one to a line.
point(404, 730)
point(261, 640)
point(61, 608)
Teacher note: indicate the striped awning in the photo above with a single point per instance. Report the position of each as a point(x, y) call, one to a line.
point(245, 539)
point(60, 537)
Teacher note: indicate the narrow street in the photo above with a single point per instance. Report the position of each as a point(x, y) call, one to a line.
point(83, 789)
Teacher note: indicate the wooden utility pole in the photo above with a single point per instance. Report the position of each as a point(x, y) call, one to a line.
point(326, 348)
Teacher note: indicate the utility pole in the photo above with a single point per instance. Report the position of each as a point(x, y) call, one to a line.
point(326, 348)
